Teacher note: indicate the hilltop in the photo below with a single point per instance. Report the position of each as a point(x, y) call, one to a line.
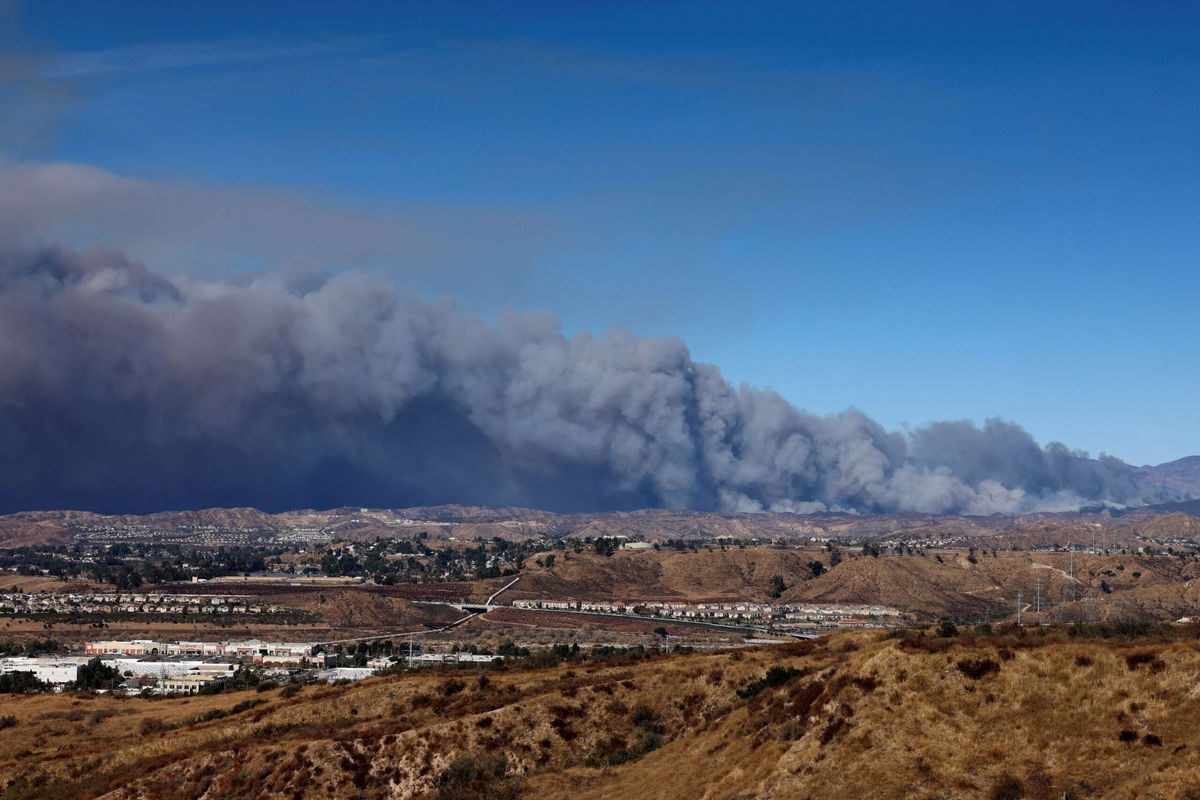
point(1182, 475)
point(1023, 714)
point(246, 525)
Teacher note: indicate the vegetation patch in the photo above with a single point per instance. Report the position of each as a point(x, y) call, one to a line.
point(1148, 658)
point(976, 668)
point(478, 778)
point(776, 676)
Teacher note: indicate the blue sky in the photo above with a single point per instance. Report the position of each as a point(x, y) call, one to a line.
point(922, 210)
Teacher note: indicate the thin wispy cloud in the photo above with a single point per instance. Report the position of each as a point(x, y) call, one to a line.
point(159, 56)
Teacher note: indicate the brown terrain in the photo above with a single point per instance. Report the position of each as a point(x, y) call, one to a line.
point(1022, 714)
point(928, 585)
point(1103, 585)
point(1182, 475)
point(471, 522)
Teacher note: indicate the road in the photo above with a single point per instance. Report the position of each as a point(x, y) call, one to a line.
point(508, 585)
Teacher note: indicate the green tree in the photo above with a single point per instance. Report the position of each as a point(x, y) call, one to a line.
point(96, 675)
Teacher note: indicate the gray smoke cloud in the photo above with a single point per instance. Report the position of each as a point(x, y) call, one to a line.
point(124, 390)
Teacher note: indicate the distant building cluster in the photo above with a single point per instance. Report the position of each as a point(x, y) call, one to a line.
point(252, 651)
point(45, 603)
point(805, 614)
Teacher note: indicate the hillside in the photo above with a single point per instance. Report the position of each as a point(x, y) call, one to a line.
point(1183, 475)
point(1033, 714)
point(468, 523)
point(1104, 585)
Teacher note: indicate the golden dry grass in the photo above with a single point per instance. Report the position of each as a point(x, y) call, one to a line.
point(1036, 715)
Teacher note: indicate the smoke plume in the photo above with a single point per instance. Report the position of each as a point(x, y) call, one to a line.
point(124, 390)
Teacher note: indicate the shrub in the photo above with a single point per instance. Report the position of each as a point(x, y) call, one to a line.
point(1007, 787)
point(246, 705)
point(452, 686)
point(643, 715)
point(894, 633)
point(266, 686)
point(976, 668)
point(776, 676)
point(643, 744)
point(7, 721)
point(152, 725)
point(482, 778)
point(1127, 736)
point(1135, 660)
point(291, 690)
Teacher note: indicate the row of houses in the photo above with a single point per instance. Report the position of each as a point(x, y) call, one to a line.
point(22, 603)
point(815, 613)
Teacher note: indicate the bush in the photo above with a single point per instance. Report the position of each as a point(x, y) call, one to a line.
point(246, 705)
point(291, 690)
point(153, 725)
point(266, 686)
point(1007, 787)
point(7, 721)
point(947, 629)
point(477, 778)
point(645, 717)
point(976, 668)
point(776, 676)
point(1135, 660)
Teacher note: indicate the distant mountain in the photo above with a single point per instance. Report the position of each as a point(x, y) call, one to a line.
point(1182, 475)
point(235, 526)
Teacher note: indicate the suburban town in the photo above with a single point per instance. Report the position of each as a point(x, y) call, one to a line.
point(187, 667)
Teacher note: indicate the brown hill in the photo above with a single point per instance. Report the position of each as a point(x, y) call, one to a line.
point(1028, 716)
point(661, 525)
point(663, 575)
point(921, 585)
point(1169, 526)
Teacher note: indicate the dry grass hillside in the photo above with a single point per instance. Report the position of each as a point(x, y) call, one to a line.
point(1169, 526)
point(929, 586)
point(664, 575)
point(1024, 714)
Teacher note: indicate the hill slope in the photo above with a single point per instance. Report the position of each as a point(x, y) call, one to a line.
point(1038, 716)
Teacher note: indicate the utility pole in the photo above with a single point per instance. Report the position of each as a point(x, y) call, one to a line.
point(1072, 576)
point(1038, 585)
point(1018, 608)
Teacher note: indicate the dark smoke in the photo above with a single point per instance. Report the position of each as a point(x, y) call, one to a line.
point(122, 390)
